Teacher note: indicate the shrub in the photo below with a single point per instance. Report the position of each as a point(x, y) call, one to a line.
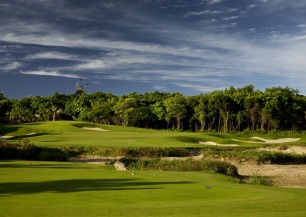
point(181, 165)
point(52, 154)
point(258, 180)
point(27, 150)
point(151, 152)
point(281, 158)
point(8, 151)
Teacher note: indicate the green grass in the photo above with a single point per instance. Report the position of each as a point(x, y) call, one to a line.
point(70, 133)
point(72, 189)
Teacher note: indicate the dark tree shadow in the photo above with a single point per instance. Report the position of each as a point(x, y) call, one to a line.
point(6, 129)
point(34, 164)
point(79, 185)
point(30, 135)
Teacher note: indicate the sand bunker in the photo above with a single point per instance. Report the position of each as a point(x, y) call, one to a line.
point(262, 140)
point(290, 176)
point(277, 141)
point(94, 128)
point(289, 150)
point(30, 134)
point(270, 141)
point(5, 137)
point(216, 144)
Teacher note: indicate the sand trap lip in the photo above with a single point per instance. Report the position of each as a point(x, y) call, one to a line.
point(94, 129)
point(216, 144)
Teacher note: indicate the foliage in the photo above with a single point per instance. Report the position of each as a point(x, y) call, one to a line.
point(229, 110)
point(281, 158)
point(181, 165)
point(28, 151)
point(258, 180)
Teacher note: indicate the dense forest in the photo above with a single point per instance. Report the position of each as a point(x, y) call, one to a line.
point(229, 110)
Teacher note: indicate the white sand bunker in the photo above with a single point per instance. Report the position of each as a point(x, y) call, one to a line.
point(94, 128)
point(5, 137)
point(30, 134)
point(216, 144)
point(277, 141)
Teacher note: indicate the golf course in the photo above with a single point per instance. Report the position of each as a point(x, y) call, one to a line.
point(56, 188)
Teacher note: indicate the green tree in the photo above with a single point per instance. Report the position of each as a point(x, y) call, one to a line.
point(5, 107)
point(175, 109)
point(200, 112)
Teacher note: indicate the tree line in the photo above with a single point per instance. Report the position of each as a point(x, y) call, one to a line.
point(229, 110)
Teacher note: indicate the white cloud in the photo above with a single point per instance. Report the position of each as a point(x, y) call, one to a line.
point(12, 66)
point(162, 88)
point(211, 2)
point(251, 6)
point(200, 13)
point(50, 73)
point(230, 18)
point(193, 55)
point(228, 56)
point(52, 55)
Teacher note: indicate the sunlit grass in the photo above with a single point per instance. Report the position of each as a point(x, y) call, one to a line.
point(71, 133)
point(72, 189)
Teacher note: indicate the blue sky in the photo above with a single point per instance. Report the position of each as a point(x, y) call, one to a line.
point(123, 46)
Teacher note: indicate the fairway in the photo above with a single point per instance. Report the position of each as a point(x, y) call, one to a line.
point(70, 133)
point(74, 189)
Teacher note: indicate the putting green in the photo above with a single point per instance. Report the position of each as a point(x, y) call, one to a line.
point(74, 189)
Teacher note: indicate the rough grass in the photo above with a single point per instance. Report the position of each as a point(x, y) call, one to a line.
point(71, 189)
point(181, 165)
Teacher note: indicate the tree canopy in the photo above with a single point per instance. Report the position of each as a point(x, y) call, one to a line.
point(229, 110)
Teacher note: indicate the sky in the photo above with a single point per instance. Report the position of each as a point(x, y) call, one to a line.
point(124, 46)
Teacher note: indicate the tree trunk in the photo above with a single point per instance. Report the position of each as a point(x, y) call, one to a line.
point(178, 124)
point(54, 115)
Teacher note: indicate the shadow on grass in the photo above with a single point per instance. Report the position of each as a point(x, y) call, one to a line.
point(30, 135)
point(37, 165)
point(6, 129)
point(79, 185)
point(188, 139)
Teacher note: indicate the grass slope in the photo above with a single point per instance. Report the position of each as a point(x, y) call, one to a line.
point(71, 133)
point(71, 189)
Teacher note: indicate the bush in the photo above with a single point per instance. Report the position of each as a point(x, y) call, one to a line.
point(181, 165)
point(28, 151)
point(149, 152)
point(8, 151)
point(258, 180)
point(281, 158)
point(52, 154)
